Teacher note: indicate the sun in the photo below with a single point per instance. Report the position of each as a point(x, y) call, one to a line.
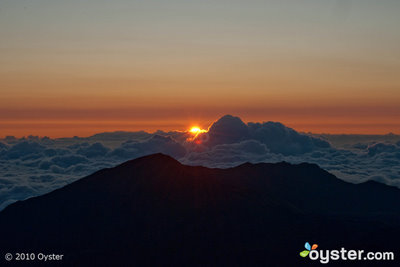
point(195, 130)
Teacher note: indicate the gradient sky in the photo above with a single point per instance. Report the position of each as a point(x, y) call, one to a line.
point(80, 67)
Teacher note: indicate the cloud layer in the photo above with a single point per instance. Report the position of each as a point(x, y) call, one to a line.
point(32, 166)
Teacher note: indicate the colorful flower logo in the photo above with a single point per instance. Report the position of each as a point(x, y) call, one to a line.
point(308, 247)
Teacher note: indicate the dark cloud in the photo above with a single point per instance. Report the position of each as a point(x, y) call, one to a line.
point(120, 135)
point(10, 139)
point(42, 178)
point(67, 161)
point(23, 149)
point(381, 148)
point(155, 144)
point(3, 146)
point(51, 152)
point(277, 137)
point(228, 155)
point(94, 150)
point(227, 130)
point(78, 145)
point(284, 140)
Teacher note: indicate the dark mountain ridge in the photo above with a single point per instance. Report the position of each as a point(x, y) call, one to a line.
point(155, 211)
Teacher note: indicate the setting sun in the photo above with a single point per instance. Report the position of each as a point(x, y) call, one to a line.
point(196, 130)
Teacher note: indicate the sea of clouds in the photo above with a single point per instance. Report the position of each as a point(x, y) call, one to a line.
point(33, 166)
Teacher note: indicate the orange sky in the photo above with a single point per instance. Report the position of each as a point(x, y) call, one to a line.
point(76, 68)
point(58, 122)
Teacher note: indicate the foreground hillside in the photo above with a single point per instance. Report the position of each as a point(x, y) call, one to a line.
point(154, 210)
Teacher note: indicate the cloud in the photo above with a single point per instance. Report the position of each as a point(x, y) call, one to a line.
point(277, 137)
point(284, 140)
point(227, 130)
point(24, 148)
point(155, 144)
point(3, 146)
point(32, 166)
point(93, 150)
point(379, 148)
point(67, 161)
point(228, 155)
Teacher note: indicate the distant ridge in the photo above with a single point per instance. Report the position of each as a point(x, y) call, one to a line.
point(155, 211)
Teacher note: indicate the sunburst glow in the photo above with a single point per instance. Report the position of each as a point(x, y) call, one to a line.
point(196, 130)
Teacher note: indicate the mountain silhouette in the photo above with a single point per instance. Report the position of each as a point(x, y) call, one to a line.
point(155, 211)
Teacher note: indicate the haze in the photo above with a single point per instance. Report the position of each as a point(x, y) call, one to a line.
point(80, 67)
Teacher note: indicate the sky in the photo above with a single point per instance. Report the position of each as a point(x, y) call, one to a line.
point(81, 67)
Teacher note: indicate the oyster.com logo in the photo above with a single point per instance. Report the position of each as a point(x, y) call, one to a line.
point(308, 247)
point(327, 255)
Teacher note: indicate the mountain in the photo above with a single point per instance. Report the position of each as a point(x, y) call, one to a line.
point(155, 211)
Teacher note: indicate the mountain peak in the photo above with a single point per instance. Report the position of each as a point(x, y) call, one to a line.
point(157, 158)
point(155, 205)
